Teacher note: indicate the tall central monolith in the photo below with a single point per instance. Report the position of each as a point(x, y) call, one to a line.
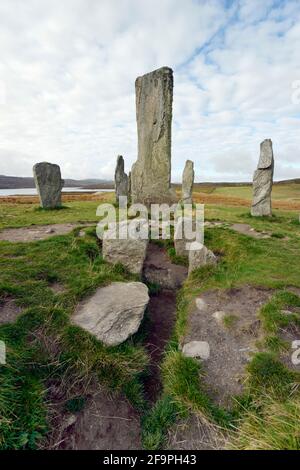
point(151, 173)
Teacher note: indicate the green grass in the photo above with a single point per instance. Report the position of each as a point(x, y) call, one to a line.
point(243, 261)
point(42, 343)
point(44, 346)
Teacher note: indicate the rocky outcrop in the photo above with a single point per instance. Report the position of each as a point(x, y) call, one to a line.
point(121, 179)
point(114, 312)
point(188, 182)
point(49, 184)
point(151, 174)
point(263, 181)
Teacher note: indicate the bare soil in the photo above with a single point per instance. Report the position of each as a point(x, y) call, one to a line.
point(9, 311)
point(107, 422)
point(37, 232)
point(162, 313)
point(159, 269)
point(231, 346)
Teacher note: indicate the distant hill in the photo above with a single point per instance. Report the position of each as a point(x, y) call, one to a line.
point(17, 182)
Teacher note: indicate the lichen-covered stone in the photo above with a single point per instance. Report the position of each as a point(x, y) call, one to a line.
point(48, 183)
point(129, 252)
point(188, 182)
point(263, 181)
point(121, 179)
point(151, 173)
point(114, 312)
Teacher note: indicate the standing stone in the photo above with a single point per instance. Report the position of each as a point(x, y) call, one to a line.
point(128, 251)
point(48, 183)
point(263, 181)
point(121, 179)
point(188, 182)
point(129, 186)
point(151, 173)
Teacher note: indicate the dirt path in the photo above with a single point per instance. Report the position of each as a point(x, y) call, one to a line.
point(107, 422)
point(228, 321)
point(159, 269)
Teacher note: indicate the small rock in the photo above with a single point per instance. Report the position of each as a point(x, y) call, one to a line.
point(50, 230)
point(68, 421)
point(198, 349)
point(286, 312)
point(201, 304)
point(219, 315)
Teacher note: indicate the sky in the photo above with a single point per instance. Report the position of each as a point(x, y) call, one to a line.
point(67, 73)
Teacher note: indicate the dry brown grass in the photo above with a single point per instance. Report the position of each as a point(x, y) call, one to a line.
point(205, 198)
point(67, 197)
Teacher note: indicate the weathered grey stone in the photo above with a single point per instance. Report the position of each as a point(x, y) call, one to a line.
point(219, 316)
point(201, 304)
point(121, 179)
point(200, 257)
point(129, 186)
point(114, 312)
point(130, 252)
point(188, 182)
point(151, 173)
point(48, 183)
point(197, 349)
point(263, 181)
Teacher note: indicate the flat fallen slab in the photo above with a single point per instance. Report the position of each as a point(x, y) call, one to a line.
point(38, 232)
point(113, 313)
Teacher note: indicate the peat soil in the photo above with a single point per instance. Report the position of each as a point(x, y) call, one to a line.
point(169, 277)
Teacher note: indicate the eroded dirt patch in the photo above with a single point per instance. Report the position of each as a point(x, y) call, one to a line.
point(107, 422)
point(37, 232)
point(228, 321)
point(84, 415)
point(9, 311)
point(162, 313)
point(159, 269)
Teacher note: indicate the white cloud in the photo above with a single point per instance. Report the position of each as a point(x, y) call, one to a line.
point(68, 69)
